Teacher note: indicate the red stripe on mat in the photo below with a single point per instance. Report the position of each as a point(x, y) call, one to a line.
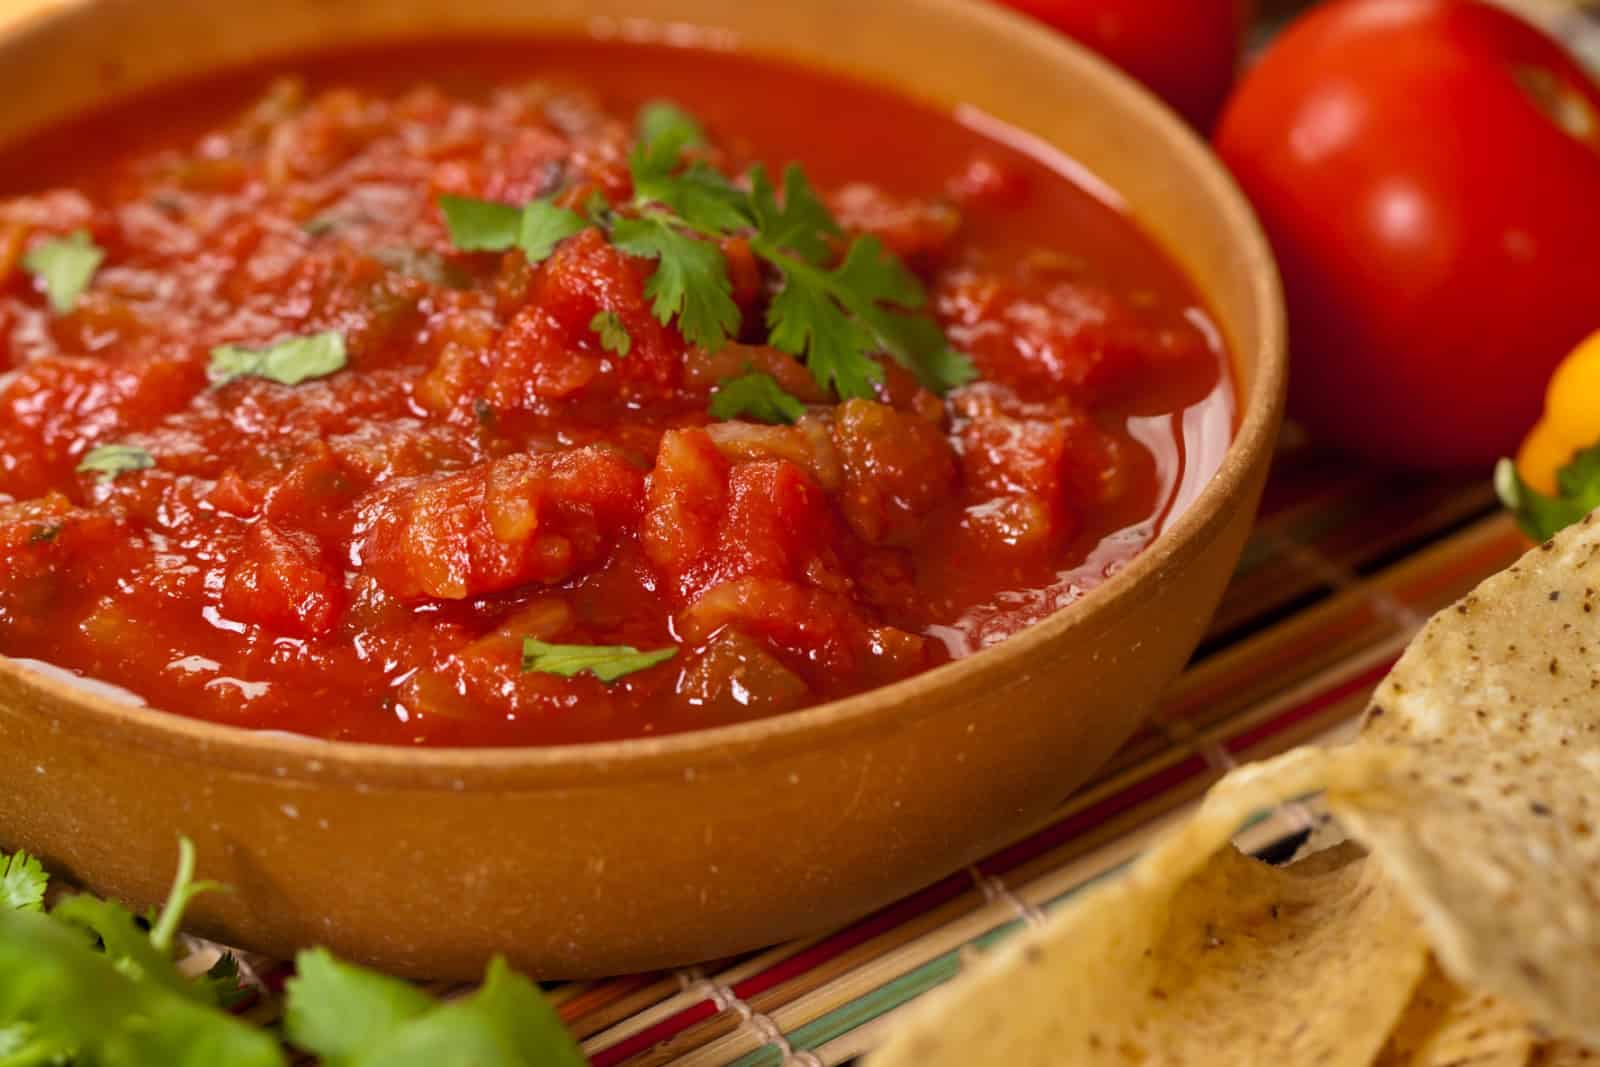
point(1367, 679)
point(654, 1035)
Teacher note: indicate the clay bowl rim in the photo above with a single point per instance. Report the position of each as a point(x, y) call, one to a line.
point(309, 759)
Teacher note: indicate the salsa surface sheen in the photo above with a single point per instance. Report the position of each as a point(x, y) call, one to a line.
point(361, 556)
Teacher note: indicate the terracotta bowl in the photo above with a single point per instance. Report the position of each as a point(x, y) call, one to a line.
point(608, 858)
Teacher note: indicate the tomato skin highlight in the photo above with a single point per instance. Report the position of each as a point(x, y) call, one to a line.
point(1186, 52)
point(1436, 226)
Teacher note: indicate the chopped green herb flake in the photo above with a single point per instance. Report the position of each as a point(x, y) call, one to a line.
point(290, 362)
point(480, 225)
point(605, 662)
point(108, 461)
point(613, 333)
point(1542, 517)
point(43, 535)
point(65, 266)
point(544, 226)
point(22, 883)
point(757, 396)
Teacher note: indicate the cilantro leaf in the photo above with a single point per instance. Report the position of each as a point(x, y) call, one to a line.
point(544, 225)
point(690, 282)
point(76, 1004)
point(699, 195)
point(22, 883)
point(108, 461)
point(351, 1017)
point(756, 395)
point(802, 225)
point(873, 284)
point(805, 321)
point(124, 942)
point(614, 336)
point(605, 662)
point(481, 225)
point(506, 1023)
point(288, 362)
point(1541, 516)
point(65, 265)
point(663, 121)
point(336, 1009)
point(835, 320)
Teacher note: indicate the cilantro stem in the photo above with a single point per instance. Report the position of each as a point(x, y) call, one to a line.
point(184, 889)
point(166, 927)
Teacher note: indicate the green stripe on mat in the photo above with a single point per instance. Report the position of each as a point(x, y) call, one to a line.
point(885, 998)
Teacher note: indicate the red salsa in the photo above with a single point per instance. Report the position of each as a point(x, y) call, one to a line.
point(467, 395)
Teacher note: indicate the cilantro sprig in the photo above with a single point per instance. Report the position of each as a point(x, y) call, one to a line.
point(835, 313)
point(1542, 517)
point(87, 984)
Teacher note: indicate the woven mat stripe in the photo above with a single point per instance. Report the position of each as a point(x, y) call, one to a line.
point(1441, 571)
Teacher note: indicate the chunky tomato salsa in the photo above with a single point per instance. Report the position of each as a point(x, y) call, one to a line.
point(492, 394)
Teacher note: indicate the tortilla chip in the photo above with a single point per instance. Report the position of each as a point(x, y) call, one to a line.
point(1447, 1027)
point(1198, 955)
point(1489, 816)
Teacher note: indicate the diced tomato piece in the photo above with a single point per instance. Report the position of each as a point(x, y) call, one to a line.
point(549, 350)
point(897, 469)
point(48, 547)
point(525, 518)
point(285, 582)
point(917, 230)
point(708, 522)
point(684, 508)
point(821, 629)
point(735, 677)
point(526, 166)
point(1060, 335)
point(1043, 471)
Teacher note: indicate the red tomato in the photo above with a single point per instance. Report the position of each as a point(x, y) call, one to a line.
point(1187, 51)
point(1429, 174)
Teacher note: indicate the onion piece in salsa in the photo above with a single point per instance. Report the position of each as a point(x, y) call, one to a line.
point(553, 392)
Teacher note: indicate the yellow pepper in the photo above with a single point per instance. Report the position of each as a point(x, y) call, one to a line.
point(1556, 478)
point(1571, 419)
